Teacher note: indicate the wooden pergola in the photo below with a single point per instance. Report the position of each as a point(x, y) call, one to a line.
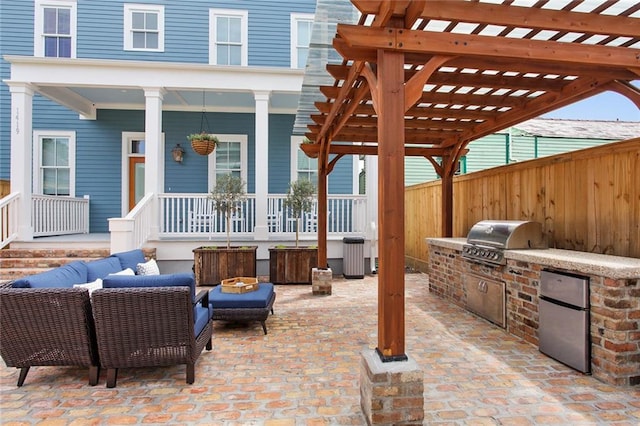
point(425, 78)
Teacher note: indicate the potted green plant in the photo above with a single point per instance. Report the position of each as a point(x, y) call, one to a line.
point(203, 143)
point(212, 264)
point(289, 265)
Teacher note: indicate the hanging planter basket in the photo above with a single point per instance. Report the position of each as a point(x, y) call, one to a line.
point(203, 144)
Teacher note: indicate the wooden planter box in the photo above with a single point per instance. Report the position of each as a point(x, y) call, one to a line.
point(212, 265)
point(292, 265)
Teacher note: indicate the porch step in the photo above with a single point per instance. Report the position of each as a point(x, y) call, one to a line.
point(18, 263)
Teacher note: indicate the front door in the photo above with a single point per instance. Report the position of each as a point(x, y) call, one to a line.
point(136, 180)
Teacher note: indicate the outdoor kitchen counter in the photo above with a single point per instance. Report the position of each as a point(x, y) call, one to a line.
point(614, 286)
point(615, 267)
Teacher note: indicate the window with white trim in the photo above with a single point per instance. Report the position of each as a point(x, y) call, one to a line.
point(144, 27)
point(302, 167)
point(230, 156)
point(228, 35)
point(55, 29)
point(301, 24)
point(54, 163)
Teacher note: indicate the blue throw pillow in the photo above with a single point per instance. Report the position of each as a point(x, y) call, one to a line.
point(62, 276)
point(130, 259)
point(103, 267)
point(167, 280)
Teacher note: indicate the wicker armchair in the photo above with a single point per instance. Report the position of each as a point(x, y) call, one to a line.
point(47, 327)
point(148, 327)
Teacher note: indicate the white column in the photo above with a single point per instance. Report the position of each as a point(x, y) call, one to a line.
point(262, 164)
point(22, 154)
point(154, 150)
point(371, 189)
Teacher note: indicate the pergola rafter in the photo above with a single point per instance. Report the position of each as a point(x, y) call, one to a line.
point(426, 78)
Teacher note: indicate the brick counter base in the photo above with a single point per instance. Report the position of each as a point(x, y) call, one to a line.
point(615, 309)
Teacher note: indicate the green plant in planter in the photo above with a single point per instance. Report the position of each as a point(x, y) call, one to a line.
point(203, 143)
point(227, 195)
point(203, 136)
point(300, 196)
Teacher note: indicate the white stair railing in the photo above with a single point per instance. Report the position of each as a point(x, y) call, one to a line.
point(9, 218)
point(55, 215)
point(132, 231)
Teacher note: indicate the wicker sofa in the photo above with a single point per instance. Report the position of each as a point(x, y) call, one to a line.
point(151, 321)
point(47, 327)
point(46, 321)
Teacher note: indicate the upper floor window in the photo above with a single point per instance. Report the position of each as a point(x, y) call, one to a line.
point(144, 27)
point(55, 29)
point(228, 34)
point(54, 163)
point(302, 167)
point(301, 24)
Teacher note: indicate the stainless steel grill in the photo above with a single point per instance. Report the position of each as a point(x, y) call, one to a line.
point(488, 239)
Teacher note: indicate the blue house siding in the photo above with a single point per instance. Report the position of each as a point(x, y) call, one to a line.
point(280, 126)
point(101, 26)
point(100, 36)
point(16, 33)
point(341, 178)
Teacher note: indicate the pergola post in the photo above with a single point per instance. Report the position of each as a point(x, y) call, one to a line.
point(322, 215)
point(391, 106)
point(448, 170)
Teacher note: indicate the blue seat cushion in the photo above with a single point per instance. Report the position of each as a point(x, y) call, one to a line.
point(102, 267)
point(130, 259)
point(62, 276)
point(201, 316)
point(253, 299)
point(166, 280)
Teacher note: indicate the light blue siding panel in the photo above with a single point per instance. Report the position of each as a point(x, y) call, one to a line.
point(522, 148)
point(551, 146)
point(486, 152)
point(418, 170)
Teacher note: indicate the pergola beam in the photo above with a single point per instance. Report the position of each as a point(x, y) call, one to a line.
point(437, 43)
point(530, 18)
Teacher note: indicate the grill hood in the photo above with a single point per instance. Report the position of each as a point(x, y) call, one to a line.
point(507, 234)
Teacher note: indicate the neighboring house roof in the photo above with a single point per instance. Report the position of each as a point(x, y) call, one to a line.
point(583, 129)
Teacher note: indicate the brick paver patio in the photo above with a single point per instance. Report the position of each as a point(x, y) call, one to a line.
point(306, 372)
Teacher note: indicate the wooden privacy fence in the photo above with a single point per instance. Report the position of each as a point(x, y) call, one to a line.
point(587, 200)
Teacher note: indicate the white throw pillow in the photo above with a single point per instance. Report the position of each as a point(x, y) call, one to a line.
point(148, 268)
point(127, 271)
point(93, 285)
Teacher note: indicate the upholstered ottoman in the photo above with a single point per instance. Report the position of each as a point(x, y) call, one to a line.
point(243, 307)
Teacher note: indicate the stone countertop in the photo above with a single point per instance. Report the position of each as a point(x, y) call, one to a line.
point(616, 267)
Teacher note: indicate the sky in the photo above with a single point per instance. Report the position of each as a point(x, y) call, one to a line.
point(607, 106)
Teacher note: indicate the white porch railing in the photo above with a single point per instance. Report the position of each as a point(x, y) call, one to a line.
point(133, 230)
point(54, 215)
point(194, 214)
point(9, 219)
